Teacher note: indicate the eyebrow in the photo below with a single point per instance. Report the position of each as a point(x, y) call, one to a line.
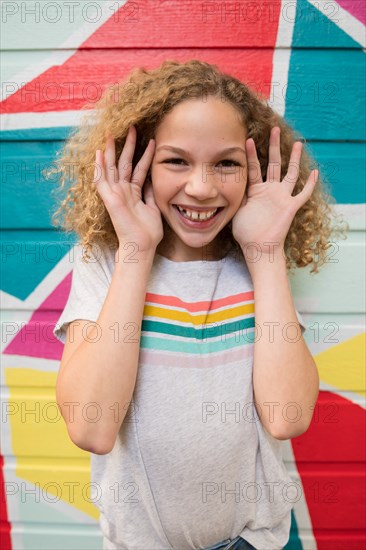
point(182, 151)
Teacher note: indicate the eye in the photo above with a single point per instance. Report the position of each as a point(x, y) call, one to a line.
point(233, 163)
point(173, 160)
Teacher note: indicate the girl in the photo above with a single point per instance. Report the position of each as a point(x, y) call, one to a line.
point(192, 200)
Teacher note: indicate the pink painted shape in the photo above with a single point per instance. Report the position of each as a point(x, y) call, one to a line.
point(35, 339)
point(356, 8)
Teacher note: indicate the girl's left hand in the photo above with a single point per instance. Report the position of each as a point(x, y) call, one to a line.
point(268, 208)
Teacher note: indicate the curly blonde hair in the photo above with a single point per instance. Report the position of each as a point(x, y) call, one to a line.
point(142, 100)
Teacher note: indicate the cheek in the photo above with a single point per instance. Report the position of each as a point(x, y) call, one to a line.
point(162, 189)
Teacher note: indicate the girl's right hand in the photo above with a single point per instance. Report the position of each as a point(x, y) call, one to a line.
point(133, 220)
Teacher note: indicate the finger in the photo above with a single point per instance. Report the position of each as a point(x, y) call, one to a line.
point(274, 160)
point(142, 167)
point(125, 160)
point(293, 169)
point(254, 168)
point(305, 194)
point(99, 174)
point(110, 160)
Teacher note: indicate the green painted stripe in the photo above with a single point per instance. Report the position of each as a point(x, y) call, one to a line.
point(163, 344)
point(212, 331)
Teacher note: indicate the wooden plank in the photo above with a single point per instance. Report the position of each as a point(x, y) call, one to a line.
point(39, 25)
point(336, 288)
point(331, 489)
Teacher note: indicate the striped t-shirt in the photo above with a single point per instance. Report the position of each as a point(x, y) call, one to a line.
point(192, 464)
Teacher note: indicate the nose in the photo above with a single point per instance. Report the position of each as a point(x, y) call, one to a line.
point(201, 185)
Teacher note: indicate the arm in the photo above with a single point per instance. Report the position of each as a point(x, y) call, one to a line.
point(285, 376)
point(284, 371)
point(104, 371)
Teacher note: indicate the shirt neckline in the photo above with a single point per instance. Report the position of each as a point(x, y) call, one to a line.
point(192, 263)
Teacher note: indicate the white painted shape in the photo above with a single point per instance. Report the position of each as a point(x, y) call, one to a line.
point(324, 331)
point(281, 60)
point(40, 63)
point(62, 28)
point(63, 37)
point(340, 284)
point(27, 362)
point(354, 214)
point(21, 121)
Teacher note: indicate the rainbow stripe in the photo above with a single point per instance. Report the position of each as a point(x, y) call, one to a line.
point(217, 332)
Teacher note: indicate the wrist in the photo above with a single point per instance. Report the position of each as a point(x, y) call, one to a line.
point(130, 254)
point(268, 258)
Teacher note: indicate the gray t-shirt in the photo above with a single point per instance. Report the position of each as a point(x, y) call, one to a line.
point(192, 464)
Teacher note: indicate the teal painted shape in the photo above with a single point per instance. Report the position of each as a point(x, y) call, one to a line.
point(294, 542)
point(326, 99)
point(342, 168)
point(27, 198)
point(313, 29)
point(28, 256)
point(37, 134)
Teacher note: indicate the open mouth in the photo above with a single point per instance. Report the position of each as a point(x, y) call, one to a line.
point(198, 216)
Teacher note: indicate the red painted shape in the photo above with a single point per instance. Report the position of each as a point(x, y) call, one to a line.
point(189, 24)
point(357, 8)
point(35, 339)
point(216, 32)
point(5, 526)
point(330, 459)
point(78, 86)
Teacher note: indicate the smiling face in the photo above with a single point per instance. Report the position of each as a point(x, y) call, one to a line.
point(193, 168)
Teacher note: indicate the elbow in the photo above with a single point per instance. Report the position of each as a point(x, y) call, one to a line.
point(85, 441)
point(283, 432)
point(90, 445)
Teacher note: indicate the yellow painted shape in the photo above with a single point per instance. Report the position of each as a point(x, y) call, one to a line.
point(41, 445)
point(343, 365)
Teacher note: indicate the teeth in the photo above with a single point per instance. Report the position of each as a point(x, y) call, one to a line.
point(193, 215)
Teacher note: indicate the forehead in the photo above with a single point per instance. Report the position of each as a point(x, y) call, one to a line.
point(204, 118)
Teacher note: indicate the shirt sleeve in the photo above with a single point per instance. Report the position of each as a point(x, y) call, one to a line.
point(89, 287)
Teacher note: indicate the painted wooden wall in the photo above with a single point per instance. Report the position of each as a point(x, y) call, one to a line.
point(308, 58)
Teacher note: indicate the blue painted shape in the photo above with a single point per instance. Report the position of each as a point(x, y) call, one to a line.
point(326, 99)
point(28, 256)
point(312, 29)
point(342, 168)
